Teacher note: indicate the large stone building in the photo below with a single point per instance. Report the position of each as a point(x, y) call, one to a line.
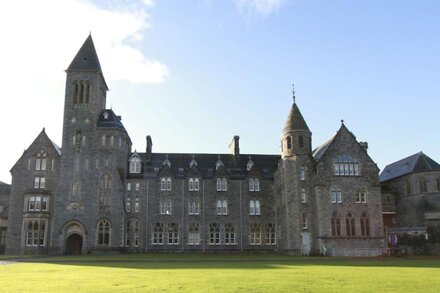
point(411, 198)
point(95, 194)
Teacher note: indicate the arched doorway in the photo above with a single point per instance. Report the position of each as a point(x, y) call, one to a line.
point(74, 244)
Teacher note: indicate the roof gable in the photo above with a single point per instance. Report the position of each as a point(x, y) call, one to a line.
point(416, 163)
point(41, 139)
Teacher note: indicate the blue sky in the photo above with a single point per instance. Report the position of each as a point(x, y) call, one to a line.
point(194, 73)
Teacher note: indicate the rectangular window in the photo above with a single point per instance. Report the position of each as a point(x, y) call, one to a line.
point(304, 221)
point(196, 184)
point(168, 183)
point(136, 205)
point(165, 207)
point(31, 206)
point(128, 205)
point(219, 184)
point(224, 184)
point(193, 238)
point(303, 195)
point(229, 238)
point(191, 184)
point(336, 197)
point(361, 197)
point(193, 208)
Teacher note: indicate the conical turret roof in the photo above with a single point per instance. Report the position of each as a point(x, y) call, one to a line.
point(86, 59)
point(295, 120)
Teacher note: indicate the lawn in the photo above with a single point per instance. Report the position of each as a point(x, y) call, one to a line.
point(219, 273)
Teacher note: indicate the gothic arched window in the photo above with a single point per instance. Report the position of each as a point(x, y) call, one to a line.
point(104, 232)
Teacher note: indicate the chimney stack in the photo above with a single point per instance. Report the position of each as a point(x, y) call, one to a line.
point(149, 148)
point(234, 146)
point(364, 145)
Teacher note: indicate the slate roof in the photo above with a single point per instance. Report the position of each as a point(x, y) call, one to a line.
point(295, 120)
point(110, 120)
point(206, 164)
point(416, 163)
point(86, 59)
point(320, 151)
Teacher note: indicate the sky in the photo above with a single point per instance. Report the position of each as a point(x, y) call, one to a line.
point(192, 74)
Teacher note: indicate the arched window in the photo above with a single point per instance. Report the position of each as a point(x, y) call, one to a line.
point(254, 207)
point(104, 227)
point(289, 142)
point(135, 165)
point(222, 184)
point(193, 207)
point(196, 184)
point(158, 233)
point(136, 204)
point(193, 234)
point(302, 173)
point(270, 234)
point(345, 165)
point(254, 184)
point(165, 183)
point(365, 225)
point(214, 234)
point(336, 224)
point(132, 230)
point(255, 234)
point(104, 191)
point(40, 160)
point(300, 141)
point(137, 186)
point(35, 233)
point(350, 225)
point(173, 234)
point(229, 234)
point(219, 207)
point(128, 204)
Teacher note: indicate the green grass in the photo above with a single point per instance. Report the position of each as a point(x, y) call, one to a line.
point(166, 272)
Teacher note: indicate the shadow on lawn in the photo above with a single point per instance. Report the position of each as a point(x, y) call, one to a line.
point(228, 261)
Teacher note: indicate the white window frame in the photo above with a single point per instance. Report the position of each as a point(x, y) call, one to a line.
point(336, 196)
point(361, 196)
point(166, 207)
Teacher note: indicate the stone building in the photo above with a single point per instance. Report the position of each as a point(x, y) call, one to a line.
point(411, 196)
point(5, 190)
point(95, 194)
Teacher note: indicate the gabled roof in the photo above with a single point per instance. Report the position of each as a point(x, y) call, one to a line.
point(41, 136)
point(108, 119)
point(320, 151)
point(86, 59)
point(295, 120)
point(416, 163)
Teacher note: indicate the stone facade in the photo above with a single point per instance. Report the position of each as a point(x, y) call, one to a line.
point(5, 190)
point(96, 195)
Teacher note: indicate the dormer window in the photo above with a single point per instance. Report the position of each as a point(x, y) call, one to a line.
point(165, 183)
point(135, 165)
point(105, 115)
point(193, 184)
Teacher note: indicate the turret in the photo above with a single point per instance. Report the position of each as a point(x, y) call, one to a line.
point(296, 138)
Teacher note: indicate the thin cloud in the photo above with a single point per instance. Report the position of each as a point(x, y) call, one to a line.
point(261, 7)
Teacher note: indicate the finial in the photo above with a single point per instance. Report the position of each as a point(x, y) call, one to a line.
point(90, 33)
point(342, 121)
point(293, 92)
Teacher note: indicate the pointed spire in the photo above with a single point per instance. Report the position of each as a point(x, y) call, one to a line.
point(86, 59)
point(295, 120)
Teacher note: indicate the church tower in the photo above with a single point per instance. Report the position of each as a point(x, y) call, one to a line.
point(295, 204)
point(95, 147)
